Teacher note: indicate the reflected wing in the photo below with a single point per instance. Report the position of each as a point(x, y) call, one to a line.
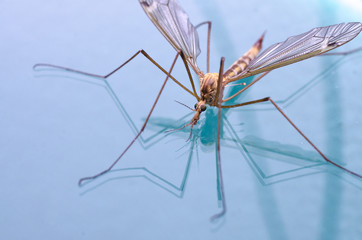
point(174, 24)
point(315, 42)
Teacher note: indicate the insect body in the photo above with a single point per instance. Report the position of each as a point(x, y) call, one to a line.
point(209, 81)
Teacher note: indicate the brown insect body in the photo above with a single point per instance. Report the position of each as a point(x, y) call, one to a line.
point(209, 81)
point(240, 65)
point(208, 88)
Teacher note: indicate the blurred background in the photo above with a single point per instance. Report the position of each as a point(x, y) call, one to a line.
point(57, 127)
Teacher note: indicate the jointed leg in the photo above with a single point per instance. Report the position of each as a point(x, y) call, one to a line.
point(220, 182)
point(115, 70)
point(190, 77)
point(248, 86)
point(142, 129)
point(208, 43)
point(296, 128)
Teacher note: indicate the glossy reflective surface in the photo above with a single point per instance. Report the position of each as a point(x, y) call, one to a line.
point(57, 127)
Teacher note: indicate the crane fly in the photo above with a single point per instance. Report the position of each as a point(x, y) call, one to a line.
point(174, 24)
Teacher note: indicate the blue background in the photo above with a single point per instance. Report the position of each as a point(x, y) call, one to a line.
point(57, 127)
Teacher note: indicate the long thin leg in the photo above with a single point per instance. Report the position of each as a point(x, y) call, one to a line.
point(246, 87)
point(190, 76)
point(143, 127)
point(208, 43)
point(115, 70)
point(296, 128)
point(220, 182)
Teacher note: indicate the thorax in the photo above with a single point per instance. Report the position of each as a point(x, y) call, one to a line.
point(208, 87)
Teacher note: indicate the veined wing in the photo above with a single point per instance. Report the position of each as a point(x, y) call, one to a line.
point(174, 24)
point(296, 48)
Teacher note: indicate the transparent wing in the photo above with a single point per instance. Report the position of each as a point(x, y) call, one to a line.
point(296, 48)
point(174, 24)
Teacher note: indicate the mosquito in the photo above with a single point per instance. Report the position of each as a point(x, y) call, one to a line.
point(174, 24)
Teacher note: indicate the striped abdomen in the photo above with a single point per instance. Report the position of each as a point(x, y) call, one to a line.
point(239, 65)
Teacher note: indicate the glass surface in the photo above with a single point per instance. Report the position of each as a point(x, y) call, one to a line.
point(57, 127)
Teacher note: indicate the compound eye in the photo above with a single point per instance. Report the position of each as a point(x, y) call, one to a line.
point(203, 108)
point(195, 106)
